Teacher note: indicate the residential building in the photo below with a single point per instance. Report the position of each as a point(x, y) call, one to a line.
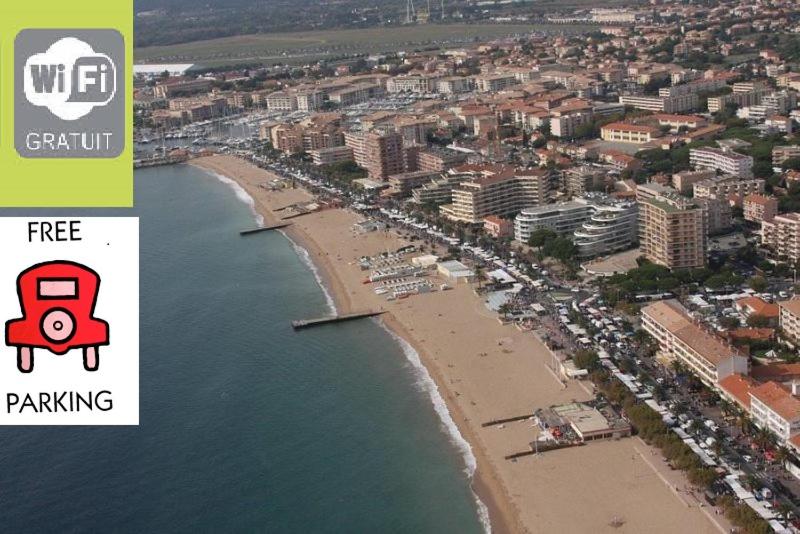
point(563, 218)
point(684, 181)
point(725, 161)
point(722, 187)
point(789, 319)
point(781, 236)
point(759, 208)
point(611, 227)
point(402, 184)
point(498, 227)
point(493, 83)
point(781, 153)
point(498, 190)
point(330, 155)
point(381, 154)
point(681, 337)
point(676, 104)
point(673, 231)
point(775, 408)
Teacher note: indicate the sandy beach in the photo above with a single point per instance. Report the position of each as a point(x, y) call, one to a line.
point(485, 370)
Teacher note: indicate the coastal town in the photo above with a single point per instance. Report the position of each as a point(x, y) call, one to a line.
point(623, 204)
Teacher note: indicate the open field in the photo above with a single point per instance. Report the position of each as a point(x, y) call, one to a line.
point(301, 47)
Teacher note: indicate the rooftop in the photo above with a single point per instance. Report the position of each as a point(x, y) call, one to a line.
point(778, 399)
point(672, 316)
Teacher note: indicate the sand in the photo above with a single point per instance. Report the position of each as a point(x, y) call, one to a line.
point(485, 370)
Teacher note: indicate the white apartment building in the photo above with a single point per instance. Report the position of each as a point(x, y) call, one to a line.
point(725, 161)
point(679, 336)
point(562, 218)
point(676, 104)
point(281, 101)
point(455, 84)
point(412, 84)
point(789, 319)
point(775, 408)
point(721, 187)
point(781, 235)
point(612, 227)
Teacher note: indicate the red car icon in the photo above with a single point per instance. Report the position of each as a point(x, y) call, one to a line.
point(57, 300)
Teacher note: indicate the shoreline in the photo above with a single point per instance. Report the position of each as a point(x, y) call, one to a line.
point(501, 519)
point(477, 389)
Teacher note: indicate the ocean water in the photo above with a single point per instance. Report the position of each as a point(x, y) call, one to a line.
point(245, 425)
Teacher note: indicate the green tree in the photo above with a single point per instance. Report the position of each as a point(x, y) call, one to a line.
point(586, 359)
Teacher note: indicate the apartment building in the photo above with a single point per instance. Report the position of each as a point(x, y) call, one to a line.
point(454, 84)
point(663, 104)
point(789, 319)
point(743, 99)
point(781, 153)
point(334, 154)
point(563, 218)
point(673, 231)
point(758, 208)
point(412, 84)
point(775, 408)
point(309, 100)
point(679, 336)
point(717, 214)
point(611, 227)
point(492, 83)
point(439, 190)
point(381, 154)
point(439, 159)
point(703, 85)
point(684, 181)
point(781, 236)
point(181, 86)
point(402, 184)
point(577, 181)
point(281, 101)
point(355, 94)
point(623, 132)
point(566, 125)
point(722, 187)
point(722, 160)
point(498, 190)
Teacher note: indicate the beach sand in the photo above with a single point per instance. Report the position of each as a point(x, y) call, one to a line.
point(484, 371)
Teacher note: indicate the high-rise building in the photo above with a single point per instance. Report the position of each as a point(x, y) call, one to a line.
point(381, 154)
point(673, 231)
point(498, 190)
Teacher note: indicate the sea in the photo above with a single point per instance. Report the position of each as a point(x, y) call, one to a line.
point(245, 424)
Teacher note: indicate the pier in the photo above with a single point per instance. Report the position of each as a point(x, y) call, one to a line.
point(507, 420)
point(308, 323)
point(264, 229)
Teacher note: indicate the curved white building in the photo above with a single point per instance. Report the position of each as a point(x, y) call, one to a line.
point(612, 227)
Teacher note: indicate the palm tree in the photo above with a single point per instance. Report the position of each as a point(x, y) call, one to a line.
point(744, 423)
point(782, 454)
point(763, 438)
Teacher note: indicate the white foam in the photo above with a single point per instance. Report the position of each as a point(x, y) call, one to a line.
point(305, 257)
point(241, 194)
point(424, 380)
point(426, 384)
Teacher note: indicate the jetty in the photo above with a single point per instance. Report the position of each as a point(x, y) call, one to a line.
point(264, 229)
point(308, 323)
point(494, 422)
